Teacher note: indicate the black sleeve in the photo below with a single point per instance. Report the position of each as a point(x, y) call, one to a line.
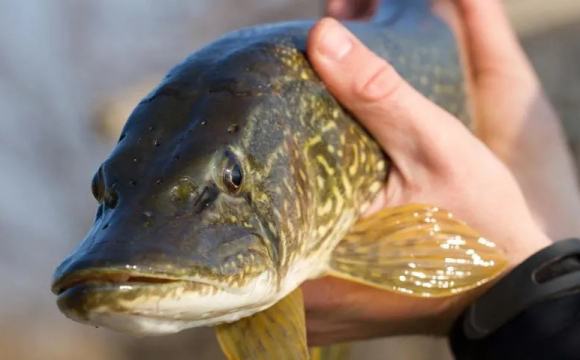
point(549, 330)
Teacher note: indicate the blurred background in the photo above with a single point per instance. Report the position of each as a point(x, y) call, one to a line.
point(70, 71)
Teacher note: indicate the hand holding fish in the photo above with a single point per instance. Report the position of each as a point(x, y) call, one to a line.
point(437, 160)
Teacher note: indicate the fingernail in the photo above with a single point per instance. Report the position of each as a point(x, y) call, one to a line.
point(335, 42)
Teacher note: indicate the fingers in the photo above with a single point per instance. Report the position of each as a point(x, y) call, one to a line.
point(492, 43)
point(351, 9)
point(403, 121)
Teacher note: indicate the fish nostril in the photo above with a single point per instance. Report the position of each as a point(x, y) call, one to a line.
point(184, 191)
point(111, 198)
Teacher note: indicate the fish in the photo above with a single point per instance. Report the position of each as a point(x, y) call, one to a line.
point(239, 177)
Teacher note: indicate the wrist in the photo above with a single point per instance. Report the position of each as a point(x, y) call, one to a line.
point(526, 244)
point(549, 273)
point(443, 315)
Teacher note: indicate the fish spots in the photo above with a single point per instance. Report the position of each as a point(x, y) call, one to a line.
point(320, 182)
point(353, 168)
point(302, 175)
point(339, 198)
point(375, 187)
point(329, 126)
point(272, 227)
point(326, 208)
point(325, 165)
point(381, 165)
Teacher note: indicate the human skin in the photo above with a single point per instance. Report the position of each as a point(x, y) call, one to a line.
point(495, 180)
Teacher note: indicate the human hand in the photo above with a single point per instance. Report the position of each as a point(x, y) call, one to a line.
point(511, 113)
point(450, 168)
point(513, 116)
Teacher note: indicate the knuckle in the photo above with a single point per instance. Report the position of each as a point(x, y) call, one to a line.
point(381, 82)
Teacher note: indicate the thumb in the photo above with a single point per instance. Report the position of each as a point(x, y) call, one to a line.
point(402, 121)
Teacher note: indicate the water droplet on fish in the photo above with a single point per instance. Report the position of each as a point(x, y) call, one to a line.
point(148, 218)
point(204, 122)
point(233, 128)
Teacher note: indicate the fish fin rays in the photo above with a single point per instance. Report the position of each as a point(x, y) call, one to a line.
point(339, 351)
point(419, 250)
point(279, 332)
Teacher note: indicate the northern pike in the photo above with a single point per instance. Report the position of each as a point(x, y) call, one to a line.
point(240, 176)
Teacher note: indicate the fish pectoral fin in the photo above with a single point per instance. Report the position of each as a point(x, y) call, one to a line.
point(278, 332)
point(339, 351)
point(419, 250)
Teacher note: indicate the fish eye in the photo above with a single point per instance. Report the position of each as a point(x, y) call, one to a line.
point(98, 187)
point(233, 175)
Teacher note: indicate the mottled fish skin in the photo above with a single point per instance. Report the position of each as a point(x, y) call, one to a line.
point(309, 169)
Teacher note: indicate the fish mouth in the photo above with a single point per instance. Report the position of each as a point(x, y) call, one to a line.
point(82, 294)
point(109, 279)
point(141, 303)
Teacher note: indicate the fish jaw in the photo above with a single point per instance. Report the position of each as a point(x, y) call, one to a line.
point(166, 308)
point(155, 309)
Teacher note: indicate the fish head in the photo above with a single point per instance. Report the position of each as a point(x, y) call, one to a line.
point(184, 234)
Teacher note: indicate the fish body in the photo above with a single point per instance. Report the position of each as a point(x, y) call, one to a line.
point(238, 177)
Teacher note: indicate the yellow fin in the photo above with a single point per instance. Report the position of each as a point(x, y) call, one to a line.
point(331, 352)
point(278, 332)
point(418, 250)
